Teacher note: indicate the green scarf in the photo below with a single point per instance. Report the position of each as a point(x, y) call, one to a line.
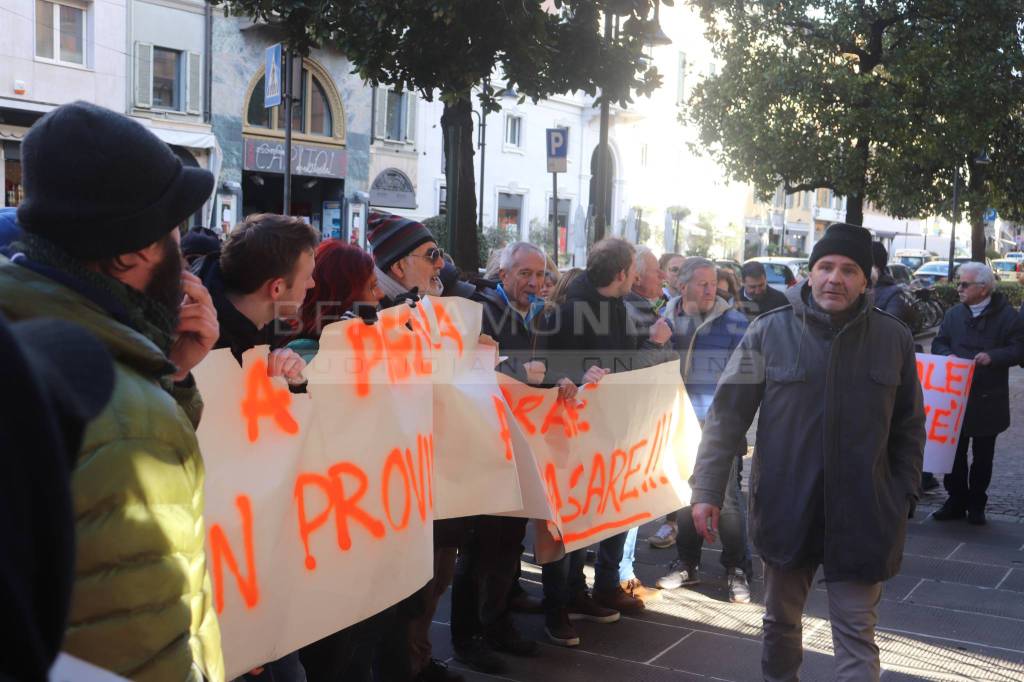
point(151, 319)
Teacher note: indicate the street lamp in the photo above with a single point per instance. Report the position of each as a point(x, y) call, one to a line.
point(653, 36)
point(982, 159)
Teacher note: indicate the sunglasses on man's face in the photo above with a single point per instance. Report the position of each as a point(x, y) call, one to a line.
point(433, 254)
point(966, 285)
point(674, 270)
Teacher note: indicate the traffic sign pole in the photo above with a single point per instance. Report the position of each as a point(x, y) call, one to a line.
point(288, 86)
point(558, 148)
point(554, 212)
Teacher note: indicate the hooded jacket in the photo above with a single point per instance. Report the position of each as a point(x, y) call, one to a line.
point(890, 298)
point(998, 331)
point(840, 438)
point(141, 604)
point(590, 329)
point(704, 346)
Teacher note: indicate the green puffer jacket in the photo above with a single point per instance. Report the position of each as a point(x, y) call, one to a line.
point(141, 604)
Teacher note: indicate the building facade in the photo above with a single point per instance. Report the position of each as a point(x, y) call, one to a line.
point(51, 53)
point(331, 124)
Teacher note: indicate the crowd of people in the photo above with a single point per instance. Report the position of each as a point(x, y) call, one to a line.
point(108, 308)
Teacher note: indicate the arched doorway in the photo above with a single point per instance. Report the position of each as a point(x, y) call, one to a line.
point(608, 185)
point(319, 159)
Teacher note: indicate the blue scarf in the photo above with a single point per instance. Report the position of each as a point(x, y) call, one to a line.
point(536, 305)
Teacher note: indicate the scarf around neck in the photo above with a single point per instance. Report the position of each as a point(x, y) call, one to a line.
point(140, 312)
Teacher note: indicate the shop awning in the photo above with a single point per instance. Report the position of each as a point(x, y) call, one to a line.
point(9, 132)
point(193, 139)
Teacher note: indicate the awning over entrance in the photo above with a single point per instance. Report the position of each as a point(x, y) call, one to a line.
point(192, 139)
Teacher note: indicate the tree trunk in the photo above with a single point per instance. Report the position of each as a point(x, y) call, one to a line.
point(457, 119)
point(855, 210)
point(855, 201)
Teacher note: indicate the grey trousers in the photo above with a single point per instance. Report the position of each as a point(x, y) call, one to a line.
point(853, 613)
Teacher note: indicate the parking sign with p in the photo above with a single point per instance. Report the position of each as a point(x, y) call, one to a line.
point(558, 149)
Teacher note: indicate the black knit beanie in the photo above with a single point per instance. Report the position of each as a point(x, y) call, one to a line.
point(852, 241)
point(98, 184)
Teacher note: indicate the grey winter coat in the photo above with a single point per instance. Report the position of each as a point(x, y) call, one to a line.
point(840, 439)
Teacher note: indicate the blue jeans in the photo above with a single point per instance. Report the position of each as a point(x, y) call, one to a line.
point(609, 556)
point(628, 556)
point(732, 528)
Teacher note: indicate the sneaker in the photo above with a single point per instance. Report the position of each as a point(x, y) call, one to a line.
point(560, 630)
point(617, 599)
point(665, 537)
point(436, 671)
point(585, 608)
point(476, 654)
point(739, 587)
point(637, 589)
point(679, 575)
point(505, 637)
point(949, 512)
point(976, 517)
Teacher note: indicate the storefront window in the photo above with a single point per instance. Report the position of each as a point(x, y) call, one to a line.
point(311, 113)
point(510, 211)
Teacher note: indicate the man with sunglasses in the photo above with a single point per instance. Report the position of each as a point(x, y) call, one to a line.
point(987, 330)
point(408, 258)
point(409, 265)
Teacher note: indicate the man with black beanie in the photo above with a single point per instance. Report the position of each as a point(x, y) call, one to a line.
point(104, 198)
point(837, 458)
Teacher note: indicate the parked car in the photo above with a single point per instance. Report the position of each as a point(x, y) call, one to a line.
point(901, 273)
point(779, 273)
point(934, 272)
point(913, 258)
point(1007, 269)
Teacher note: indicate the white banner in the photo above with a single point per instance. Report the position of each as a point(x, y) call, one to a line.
point(946, 382)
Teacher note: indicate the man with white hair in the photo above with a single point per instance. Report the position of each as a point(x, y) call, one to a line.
point(487, 568)
point(987, 330)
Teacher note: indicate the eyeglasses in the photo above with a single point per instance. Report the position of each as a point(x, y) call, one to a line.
point(674, 270)
point(966, 285)
point(433, 255)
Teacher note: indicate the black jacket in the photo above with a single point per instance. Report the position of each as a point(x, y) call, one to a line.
point(890, 297)
point(840, 438)
point(506, 326)
point(772, 299)
point(998, 331)
point(590, 329)
point(237, 331)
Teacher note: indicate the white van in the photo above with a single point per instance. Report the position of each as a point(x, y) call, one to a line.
point(912, 258)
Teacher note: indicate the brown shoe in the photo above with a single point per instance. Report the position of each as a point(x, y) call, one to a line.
point(636, 589)
point(617, 599)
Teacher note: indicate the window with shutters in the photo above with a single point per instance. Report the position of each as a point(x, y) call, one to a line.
point(61, 32)
point(316, 109)
point(167, 79)
point(394, 115)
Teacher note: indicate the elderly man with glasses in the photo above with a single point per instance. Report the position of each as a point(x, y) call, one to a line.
point(986, 329)
point(408, 258)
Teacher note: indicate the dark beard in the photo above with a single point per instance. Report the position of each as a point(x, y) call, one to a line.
point(165, 284)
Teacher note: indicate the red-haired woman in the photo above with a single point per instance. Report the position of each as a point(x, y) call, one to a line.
point(344, 286)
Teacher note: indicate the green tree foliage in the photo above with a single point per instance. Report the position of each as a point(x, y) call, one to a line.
point(446, 48)
point(878, 101)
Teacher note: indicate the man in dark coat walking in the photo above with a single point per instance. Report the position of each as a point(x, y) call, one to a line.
point(984, 328)
point(837, 460)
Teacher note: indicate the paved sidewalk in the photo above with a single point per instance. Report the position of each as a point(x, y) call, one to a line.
point(955, 612)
